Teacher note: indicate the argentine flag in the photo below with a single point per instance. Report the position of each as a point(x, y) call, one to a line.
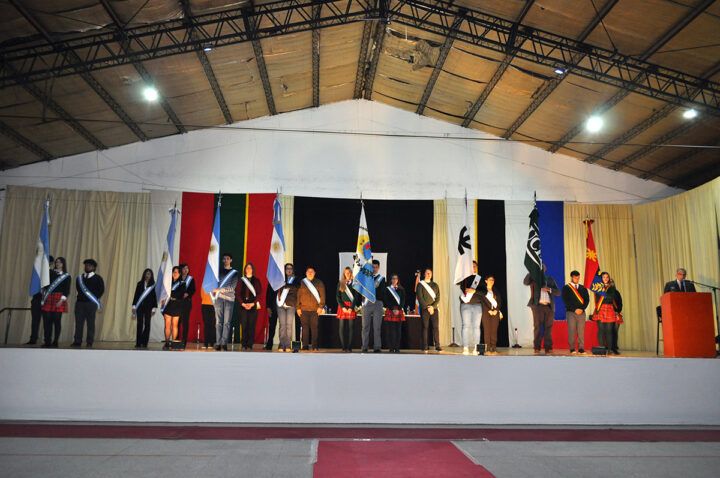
point(41, 268)
point(211, 279)
point(164, 281)
point(363, 281)
point(275, 270)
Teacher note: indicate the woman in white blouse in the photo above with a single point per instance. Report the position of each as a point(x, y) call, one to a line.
point(491, 315)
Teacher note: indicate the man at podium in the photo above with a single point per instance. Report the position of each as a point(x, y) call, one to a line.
point(679, 284)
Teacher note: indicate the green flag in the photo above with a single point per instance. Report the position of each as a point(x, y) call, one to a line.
point(533, 258)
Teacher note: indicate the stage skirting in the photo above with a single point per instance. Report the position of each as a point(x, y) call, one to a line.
point(150, 386)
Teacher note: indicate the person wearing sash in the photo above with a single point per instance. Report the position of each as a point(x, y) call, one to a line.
point(224, 301)
point(54, 302)
point(36, 313)
point(491, 315)
point(607, 314)
point(471, 310)
point(281, 304)
point(576, 299)
point(186, 301)
point(90, 288)
point(373, 312)
point(310, 303)
point(394, 315)
point(143, 308)
point(543, 311)
point(173, 307)
point(348, 300)
point(249, 291)
point(428, 296)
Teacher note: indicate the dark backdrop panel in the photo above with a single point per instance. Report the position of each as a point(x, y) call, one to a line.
point(490, 249)
point(325, 227)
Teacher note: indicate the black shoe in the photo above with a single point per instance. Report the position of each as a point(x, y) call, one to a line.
point(75, 344)
point(166, 346)
point(377, 351)
point(224, 347)
point(89, 346)
point(46, 346)
point(54, 345)
point(349, 351)
point(572, 351)
point(364, 351)
point(581, 351)
point(616, 351)
point(206, 345)
point(438, 349)
point(218, 348)
point(31, 342)
point(137, 346)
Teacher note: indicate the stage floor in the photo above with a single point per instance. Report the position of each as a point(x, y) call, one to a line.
point(258, 348)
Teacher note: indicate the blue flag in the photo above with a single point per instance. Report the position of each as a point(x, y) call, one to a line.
point(275, 270)
point(363, 281)
point(212, 278)
point(164, 282)
point(41, 267)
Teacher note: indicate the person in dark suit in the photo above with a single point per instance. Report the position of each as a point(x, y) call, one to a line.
point(679, 284)
point(90, 287)
point(543, 311)
point(143, 308)
point(310, 303)
point(248, 293)
point(491, 314)
point(576, 299)
point(186, 301)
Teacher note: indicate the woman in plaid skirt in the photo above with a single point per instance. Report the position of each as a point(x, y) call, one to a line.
point(348, 300)
point(54, 302)
point(394, 302)
point(607, 314)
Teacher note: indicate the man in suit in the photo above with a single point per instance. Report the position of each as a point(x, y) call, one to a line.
point(679, 284)
point(576, 299)
point(90, 288)
point(543, 311)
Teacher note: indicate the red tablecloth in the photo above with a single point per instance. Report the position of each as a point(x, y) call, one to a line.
point(560, 335)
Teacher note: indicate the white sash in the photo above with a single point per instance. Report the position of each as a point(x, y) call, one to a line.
point(394, 294)
point(249, 285)
point(188, 280)
point(466, 297)
point(378, 280)
point(176, 285)
point(142, 297)
point(312, 289)
point(280, 301)
point(53, 286)
point(87, 292)
point(227, 277)
point(491, 299)
point(428, 289)
point(349, 294)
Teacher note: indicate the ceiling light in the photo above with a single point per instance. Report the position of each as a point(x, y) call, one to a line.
point(594, 124)
point(690, 114)
point(150, 93)
point(559, 71)
point(207, 48)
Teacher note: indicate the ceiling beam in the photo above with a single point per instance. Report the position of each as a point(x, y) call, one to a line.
point(624, 92)
point(442, 56)
point(378, 40)
point(205, 62)
point(252, 32)
point(362, 59)
point(124, 41)
point(699, 176)
point(677, 160)
point(24, 142)
point(550, 85)
point(316, 55)
point(499, 71)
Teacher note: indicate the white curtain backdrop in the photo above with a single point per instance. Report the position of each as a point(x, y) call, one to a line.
point(516, 232)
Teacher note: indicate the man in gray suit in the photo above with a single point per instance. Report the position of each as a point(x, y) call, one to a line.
point(543, 311)
point(679, 284)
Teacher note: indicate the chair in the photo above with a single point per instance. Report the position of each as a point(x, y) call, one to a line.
point(658, 311)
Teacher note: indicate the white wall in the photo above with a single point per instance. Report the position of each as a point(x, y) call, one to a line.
point(342, 165)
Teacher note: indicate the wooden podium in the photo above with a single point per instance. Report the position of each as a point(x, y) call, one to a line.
point(688, 328)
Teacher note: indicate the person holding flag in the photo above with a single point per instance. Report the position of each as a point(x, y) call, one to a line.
point(54, 302)
point(90, 288)
point(40, 276)
point(467, 278)
point(367, 280)
point(543, 288)
point(275, 275)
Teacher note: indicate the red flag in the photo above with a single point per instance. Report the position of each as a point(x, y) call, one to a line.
point(591, 258)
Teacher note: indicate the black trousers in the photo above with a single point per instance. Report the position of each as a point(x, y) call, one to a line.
point(272, 325)
point(348, 324)
point(426, 319)
point(85, 312)
point(37, 315)
point(184, 321)
point(208, 315)
point(605, 335)
point(248, 319)
point(309, 321)
point(144, 316)
point(50, 320)
point(615, 329)
point(395, 330)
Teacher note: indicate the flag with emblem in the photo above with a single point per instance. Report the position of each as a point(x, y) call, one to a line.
point(41, 266)
point(533, 257)
point(212, 277)
point(363, 281)
point(463, 264)
point(593, 280)
point(276, 261)
point(164, 282)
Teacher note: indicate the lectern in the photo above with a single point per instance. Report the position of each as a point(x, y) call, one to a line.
point(688, 328)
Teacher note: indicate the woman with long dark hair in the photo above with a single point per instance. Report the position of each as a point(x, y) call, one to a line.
point(54, 302)
point(607, 313)
point(173, 307)
point(348, 301)
point(249, 289)
point(394, 302)
point(143, 308)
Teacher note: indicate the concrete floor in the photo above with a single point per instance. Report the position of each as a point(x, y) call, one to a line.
point(80, 457)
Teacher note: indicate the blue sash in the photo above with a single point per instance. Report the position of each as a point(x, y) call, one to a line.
point(87, 292)
point(54, 286)
point(175, 286)
point(227, 277)
point(394, 294)
point(142, 297)
point(188, 280)
point(378, 280)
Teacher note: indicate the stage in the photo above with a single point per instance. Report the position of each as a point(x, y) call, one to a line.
point(407, 388)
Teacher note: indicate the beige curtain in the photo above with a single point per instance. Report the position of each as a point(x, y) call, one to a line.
point(680, 231)
point(110, 227)
point(615, 244)
point(441, 268)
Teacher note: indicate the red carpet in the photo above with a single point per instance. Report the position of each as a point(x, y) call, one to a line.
point(349, 459)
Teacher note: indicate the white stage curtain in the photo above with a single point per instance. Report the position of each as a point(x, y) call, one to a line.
point(441, 268)
point(517, 220)
point(110, 227)
point(160, 203)
point(681, 231)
